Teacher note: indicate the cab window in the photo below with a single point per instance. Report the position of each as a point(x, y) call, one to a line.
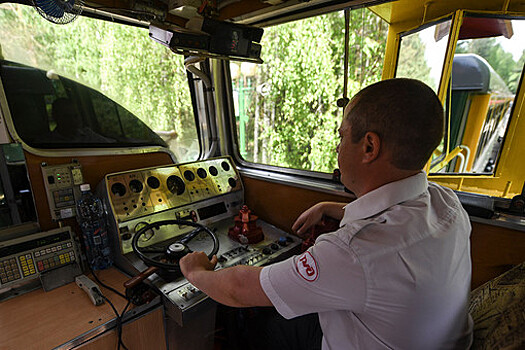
point(122, 88)
point(422, 56)
point(422, 53)
point(487, 67)
point(59, 113)
point(286, 113)
point(486, 70)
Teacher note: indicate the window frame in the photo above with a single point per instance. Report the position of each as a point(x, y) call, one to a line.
point(297, 177)
point(417, 30)
point(229, 144)
point(508, 168)
point(12, 134)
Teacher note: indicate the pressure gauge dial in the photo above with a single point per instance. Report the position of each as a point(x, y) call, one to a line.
point(175, 185)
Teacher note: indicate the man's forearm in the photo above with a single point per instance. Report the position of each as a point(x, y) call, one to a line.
point(334, 209)
point(237, 286)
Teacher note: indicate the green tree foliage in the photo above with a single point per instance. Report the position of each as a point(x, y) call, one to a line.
point(412, 62)
point(516, 73)
point(297, 118)
point(120, 61)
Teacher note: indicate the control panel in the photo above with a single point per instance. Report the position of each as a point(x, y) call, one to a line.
point(208, 192)
point(140, 193)
point(274, 247)
point(62, 183)
point(26, 258)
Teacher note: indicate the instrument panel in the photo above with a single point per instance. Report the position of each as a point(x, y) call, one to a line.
point(62, 183)
point(139, 193)
point(209, 192)
point(26, 258)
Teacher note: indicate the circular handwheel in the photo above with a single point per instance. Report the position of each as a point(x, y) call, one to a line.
point(172, 252)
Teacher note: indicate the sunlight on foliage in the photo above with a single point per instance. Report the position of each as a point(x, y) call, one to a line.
point(120, 61)
point(293, 120)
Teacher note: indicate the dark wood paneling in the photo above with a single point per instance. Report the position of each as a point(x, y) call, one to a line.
point(494, 251)
point(281, 204)
point(146, 333)
point(241, 8)
point(94, 168)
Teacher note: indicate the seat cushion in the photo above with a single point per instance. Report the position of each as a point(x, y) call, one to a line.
point(498, 311)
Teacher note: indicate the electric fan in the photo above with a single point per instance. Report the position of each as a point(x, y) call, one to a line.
point(59, 11)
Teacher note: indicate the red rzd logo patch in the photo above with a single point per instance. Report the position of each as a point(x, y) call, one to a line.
point(307, 267)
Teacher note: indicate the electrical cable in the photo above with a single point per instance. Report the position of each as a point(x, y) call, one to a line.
point(343, 101)
point(106, 286)
point(347, 40)
point(119, 316)
point(119, 321)
point(189, 63)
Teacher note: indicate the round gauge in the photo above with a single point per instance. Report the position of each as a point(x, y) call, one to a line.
point(202, 173)
point(232, 182)
point(153, 182)
point(136, 186)
point(147, 235)
point(213, 171)
point(175, 185)
point(225, 166)
point(189, 175)
point(118, 189)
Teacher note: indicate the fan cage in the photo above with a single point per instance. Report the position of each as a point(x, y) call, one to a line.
point(59, 11)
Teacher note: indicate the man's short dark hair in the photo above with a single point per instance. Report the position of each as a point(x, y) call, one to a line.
point(405, 113)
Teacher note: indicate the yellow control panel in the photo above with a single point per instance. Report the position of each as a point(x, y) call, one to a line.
point(142, 192)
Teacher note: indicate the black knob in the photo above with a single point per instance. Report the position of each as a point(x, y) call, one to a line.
point(232, 182)
point(126, 236)
point(274, 246)
point(267, 251)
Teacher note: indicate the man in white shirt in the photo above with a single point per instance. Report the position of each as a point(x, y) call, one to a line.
point(396, 275)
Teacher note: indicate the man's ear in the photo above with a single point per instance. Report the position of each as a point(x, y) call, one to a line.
point(371, 147)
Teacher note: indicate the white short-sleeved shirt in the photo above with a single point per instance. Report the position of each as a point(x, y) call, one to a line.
point(396, 275)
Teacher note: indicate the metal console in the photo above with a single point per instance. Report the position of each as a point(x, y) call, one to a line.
point(209, 192)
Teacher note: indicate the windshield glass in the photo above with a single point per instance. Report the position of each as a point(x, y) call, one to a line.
point(286, 109)
point(486, 71)
point(422, 54)
point(93, 83)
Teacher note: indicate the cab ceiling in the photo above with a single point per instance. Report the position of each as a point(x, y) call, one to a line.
point(253, 12)
point(402, 11)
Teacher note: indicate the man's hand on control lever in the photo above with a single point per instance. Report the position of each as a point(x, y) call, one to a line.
point(196, 261)
point(314, 215)
point(236, 286)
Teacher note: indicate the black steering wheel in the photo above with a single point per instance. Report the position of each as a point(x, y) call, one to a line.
point(174, 251)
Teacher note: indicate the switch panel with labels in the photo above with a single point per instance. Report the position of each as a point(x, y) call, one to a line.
point(26, 258)
point(62, 183)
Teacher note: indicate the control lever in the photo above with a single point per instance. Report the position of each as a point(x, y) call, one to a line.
point(134, 281)
point(91, 289)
